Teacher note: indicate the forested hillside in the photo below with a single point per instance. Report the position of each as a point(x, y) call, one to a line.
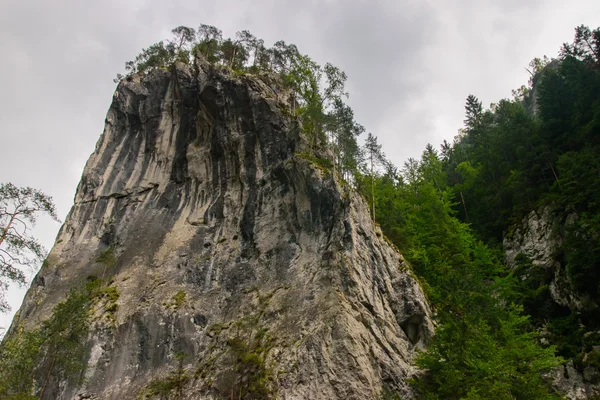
point(541, 149)
point(449, 211)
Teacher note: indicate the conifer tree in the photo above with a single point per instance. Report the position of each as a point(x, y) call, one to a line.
point(474, 110)
point(375, 157)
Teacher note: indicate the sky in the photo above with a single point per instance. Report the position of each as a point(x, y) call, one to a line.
point(410, 66)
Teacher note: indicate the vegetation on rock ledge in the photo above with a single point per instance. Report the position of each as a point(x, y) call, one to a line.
point(57, 349)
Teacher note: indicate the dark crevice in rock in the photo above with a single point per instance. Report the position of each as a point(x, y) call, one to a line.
point(412, 328)
point(120, 195)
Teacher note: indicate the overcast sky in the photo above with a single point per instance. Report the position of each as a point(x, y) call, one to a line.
point(410, 66)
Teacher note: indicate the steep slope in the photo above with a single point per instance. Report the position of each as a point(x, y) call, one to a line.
point(242, 269)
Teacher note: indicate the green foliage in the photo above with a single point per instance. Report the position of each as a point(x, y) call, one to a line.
point(531, 289)
point(593, 359)
point(540, 149)
point(154, 57)
point(388, 394)
point(209, 39)
point(375, 157)
point(316, 92)
point(585, 47)
point(485, 346)
point(582, 255)
point(474, 111)
point(106, 297)
point(19, 210)
point(108, 259)
point(567, 333)
point(19, 357)
point(66, 334)
point(217, 328)
point(253, 374)
point(323, 164)
point(179, 299)
point(173, 383)
point(243, 370)
point(500, 362)
point(345, 130)
point(524, 159)
point(184, 37)
point(110, 293)
point(58, 348)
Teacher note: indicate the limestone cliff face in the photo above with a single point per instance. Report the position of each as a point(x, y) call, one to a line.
point(230, 248)
point(539, 236)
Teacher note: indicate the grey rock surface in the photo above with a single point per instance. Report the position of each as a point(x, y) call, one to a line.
point(572, 384)
point(231, 248)
point(539, 236)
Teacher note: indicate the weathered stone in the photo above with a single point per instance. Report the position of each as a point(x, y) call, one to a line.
point(229, 248)
point(539, 236)
point(570, 383)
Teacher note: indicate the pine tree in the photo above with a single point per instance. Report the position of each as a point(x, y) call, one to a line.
point(474, 110)
point(375, 157)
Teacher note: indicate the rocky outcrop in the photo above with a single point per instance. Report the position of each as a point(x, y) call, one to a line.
point(573, 384)
point(539, 236)
point(242, 269)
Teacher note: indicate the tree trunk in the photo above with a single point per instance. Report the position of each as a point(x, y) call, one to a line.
point(464, 205)
point(553, 172)
point(233, 55)
point(5, 233)
point(373, 187)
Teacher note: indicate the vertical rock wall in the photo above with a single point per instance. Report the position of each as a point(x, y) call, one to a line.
point(241, 267)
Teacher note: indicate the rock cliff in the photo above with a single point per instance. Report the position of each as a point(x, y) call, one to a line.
point(539, 236)
point(242, 269)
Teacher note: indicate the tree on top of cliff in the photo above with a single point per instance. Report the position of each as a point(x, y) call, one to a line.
point(375, 156)
point(19, 209)
point(209, 43)
point(184, 36)
point(585, 47)
point(317, 92)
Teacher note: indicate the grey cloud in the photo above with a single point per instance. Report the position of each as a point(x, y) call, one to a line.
point(410, 64)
